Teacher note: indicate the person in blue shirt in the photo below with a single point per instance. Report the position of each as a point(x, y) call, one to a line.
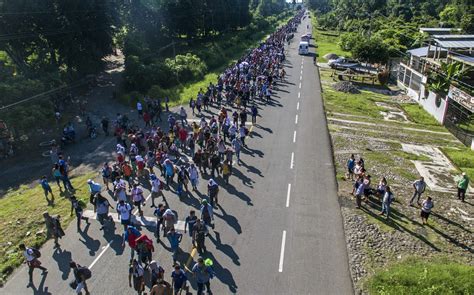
point(47, 189)
point(203, 275)
point(254, 111)
point(174, 238)
point(350, 167)
point(179, 279)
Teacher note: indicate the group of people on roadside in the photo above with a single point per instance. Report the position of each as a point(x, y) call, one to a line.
point(362, 189)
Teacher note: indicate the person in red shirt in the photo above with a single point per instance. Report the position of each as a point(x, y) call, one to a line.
point(183, 135)
point(147, 119)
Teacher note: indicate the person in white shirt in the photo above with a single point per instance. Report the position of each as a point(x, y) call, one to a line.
point(32, 261)
point(155, 189)
point(419, 186)
point(120, 189)
point(137, 197)
point(193, 176)
point(125, 211)
point(426, 209)
point(139, 109)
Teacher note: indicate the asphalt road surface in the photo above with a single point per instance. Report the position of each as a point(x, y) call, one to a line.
point(278, 228)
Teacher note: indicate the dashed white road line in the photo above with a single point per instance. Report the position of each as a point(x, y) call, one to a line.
point(294, 136)
point(301, 72)
point(300, 84)
point(296, 119)
point(298, 104)
point(292, 160)
point(288, 196)
point(301, 77)
point(282, 252)
point(299, 94)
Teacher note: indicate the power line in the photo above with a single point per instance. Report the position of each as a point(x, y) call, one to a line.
point(43, 94)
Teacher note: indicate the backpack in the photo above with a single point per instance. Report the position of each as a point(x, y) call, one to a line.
point(85, 272)
point(36, 252)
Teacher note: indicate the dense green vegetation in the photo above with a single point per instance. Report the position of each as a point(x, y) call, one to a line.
point(419, 276)
point(393, 24)
point(48, 44)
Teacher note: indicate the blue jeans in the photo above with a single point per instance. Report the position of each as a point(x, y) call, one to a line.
point(386, 209)
point(415, 194)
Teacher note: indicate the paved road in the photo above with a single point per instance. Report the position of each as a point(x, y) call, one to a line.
point(278, 230)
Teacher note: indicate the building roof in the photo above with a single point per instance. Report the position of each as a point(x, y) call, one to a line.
point(453, 37)
point(440, 31)
point(463, 58)
point(423, 51)
point(455, 44)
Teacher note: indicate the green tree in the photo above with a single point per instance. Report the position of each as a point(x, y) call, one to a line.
point(372, 50)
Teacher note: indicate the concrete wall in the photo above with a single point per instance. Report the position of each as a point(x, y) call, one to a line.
point(437, 110)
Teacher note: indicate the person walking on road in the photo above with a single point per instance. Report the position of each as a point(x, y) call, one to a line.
point(77, 208)
point(169, 219)
point(136, 272)
point(174, 239)
point(103, 206)
point(53, 228)
point(213, 191)
point(124, 211)
point(193, 176)
point(130, 236)
point(137, 197)
point(203, 275)
point(183, 116)
point(178, 280)
point(462, 184)
point(419, 186)
point(226, 170)
point(156, 189)
point(254, 111)
point(31, 256)
point(159, 212)
point(81, 275)
point(207, 214)
point(94, 188)
point(237, 145)
point(189, 222)
point(199, 232)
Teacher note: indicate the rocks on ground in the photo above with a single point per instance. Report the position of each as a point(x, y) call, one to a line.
point(346, 87)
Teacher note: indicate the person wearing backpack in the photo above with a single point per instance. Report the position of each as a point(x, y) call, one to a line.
point(199, 233)
point(157, 272)
point(207, 213)
point(203, 275)
point(106, 173)
point(76, 207)
point(136, 272)
point(31, 256)
point(81, 275)
point(213, 191)
point(53, 228)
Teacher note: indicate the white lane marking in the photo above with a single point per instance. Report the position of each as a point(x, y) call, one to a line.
point(301, 77)
point(302, 60)
point(282, 252)
point(300, 83)
point(100, 255)
point(298, 105)
point(296, 119)
point(136, 210)
point(299, 94)
point(149, 221)
point(294, 136)
point(292, 160)
point(301, 73)
point(288, 196)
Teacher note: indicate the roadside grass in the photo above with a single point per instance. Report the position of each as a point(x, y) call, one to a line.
point(362, 104)
point(326, 42)
point(421, 276)
point(463, 158)
point(417, 114)
point(410, 156)
point(21, 217)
